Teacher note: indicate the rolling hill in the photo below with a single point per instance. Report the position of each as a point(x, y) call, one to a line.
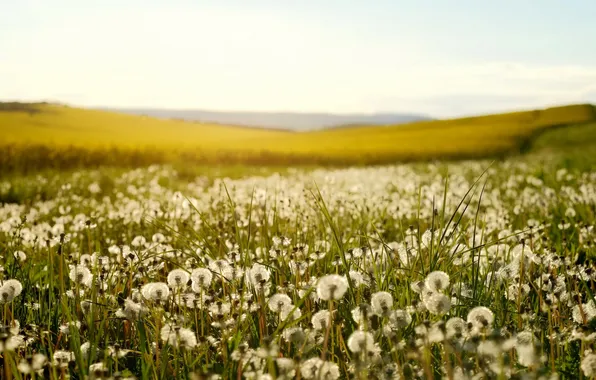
point(59, 136)
point(275, 120)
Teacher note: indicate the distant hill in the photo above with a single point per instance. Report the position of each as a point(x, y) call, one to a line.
point(36, 136)
point(276, 120)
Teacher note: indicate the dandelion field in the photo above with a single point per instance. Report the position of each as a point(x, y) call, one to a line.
point(446, 270)
point(456, 271)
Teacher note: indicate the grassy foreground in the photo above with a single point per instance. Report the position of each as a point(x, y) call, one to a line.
point(456, 271)
point(63, 137)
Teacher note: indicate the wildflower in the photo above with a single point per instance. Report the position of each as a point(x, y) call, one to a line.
point(156, 291)
point(584, 313)
point(278, 302)
point(9, 342)
point(294, 335)
point(456, 327)
point(360, 341)
point(588, 365)
point(289, 312)
point(62, 358)
point(178, 337)
point(20, 255)
point(357, 278)
point(178, 278)
point(9, 290)
point(286, 367)
point(222, 268)
point(309, 369)
point(80, 275)
point(437, 303)
point(489, 348)
point(332, 287)
point(400, 319)
point(328, 371)
point(201, 279)
point(381, 303)
point(258, 274)
point(437, 281)
point(98, 371)
point(480, 317)
point(320, 319)
point(32, 364)
point(361, 313)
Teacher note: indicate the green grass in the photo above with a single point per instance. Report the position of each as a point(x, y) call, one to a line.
point(497, 231)
point(64, 137)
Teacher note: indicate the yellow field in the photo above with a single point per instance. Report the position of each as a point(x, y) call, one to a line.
point(64, 133)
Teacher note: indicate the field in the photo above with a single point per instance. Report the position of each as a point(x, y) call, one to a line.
point(62, 137)
point(472, 269)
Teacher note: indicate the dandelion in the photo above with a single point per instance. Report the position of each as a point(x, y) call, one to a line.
point(20, 255)
point(222, 268)
point(62, 358)
point(400, 319)
point(437, 281)
point(80, 275)
point(309, 369)
point(588, 365)
point(98, 371)
point(358, 278)
point(328, 371)
point(361, 313)
point(178, 278)
point(178, 337)
point(361, 341)
point(32, 364)
point(201, 279)
point(286, 367)
point(289, 312)
point(278, 302)
point(156, 291)
point(9, 290)
point(258, 274)
point(480, 318)
point(332, 287)
point(437, 303)
point(381, 303)
point(320, 320)
point(456, 327)
point(294, 335)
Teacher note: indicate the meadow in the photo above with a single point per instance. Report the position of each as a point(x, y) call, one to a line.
point(42, 136)
point(470, 269)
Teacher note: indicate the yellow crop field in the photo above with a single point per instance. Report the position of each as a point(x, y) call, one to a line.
point(60, 134)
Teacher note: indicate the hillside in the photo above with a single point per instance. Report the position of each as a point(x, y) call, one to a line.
point(277, 120)
point(60, 136)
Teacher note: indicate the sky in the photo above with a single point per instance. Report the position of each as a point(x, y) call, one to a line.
point(441, 58)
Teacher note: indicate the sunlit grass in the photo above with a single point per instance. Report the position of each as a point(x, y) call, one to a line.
point(70, 137)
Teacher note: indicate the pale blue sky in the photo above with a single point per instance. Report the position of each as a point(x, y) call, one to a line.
point(439, 57)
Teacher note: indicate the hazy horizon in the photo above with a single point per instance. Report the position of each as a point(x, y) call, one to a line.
point(433, 58)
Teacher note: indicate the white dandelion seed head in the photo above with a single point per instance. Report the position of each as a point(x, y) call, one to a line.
point(278, 302)
point(481, 317)
point(178, 278)
point(201, 279)
point(382, 303)
point(258, 275)
point(437, 281)
point(361, 341)
point(437, 303)
point(332, 287)
point(320, 320)
point(156, 291)
point(81, 275)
